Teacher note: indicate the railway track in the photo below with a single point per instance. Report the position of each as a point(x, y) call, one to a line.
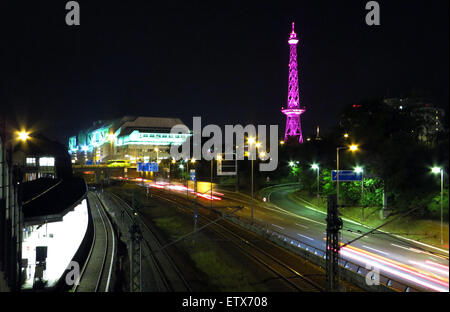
point(292, 278)
point(96, 273)
point(171, 277)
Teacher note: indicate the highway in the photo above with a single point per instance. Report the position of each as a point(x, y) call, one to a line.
point(424, 268)
point(412, 266)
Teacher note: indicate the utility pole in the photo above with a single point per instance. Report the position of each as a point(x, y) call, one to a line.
point(252, 195)
point(334, 224)
point(136, 257)
point(212, 166)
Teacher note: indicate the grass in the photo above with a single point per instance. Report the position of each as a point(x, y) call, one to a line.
point(423, 230)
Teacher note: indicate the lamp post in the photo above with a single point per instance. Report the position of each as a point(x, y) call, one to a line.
point(173, 161)
point(441, 171)
point(352, 148)
point(316, 167)
point(12, 184)
point(257, 144)
point(360, 170)
point(211, 187)
point(182, 170)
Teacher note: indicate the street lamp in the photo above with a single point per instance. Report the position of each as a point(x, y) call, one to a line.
point(361, 170)
point(172, 162)
point(157, 154)
point(23, 135)
point(316, 167)
point(437, 170)
point(251, 141)
point(352, 148)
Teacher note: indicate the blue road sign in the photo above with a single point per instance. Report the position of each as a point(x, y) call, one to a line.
point(192, 174)
point(347, 175)
point(153, 166)
point(147, 166)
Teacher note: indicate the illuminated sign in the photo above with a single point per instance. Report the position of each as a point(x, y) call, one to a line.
point(145, 138)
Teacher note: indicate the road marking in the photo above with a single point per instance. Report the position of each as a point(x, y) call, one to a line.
point(407, 248)
point(301, 225)
point(310, 220)
point(429, 267)
point(358, 223)
point(376, 250)
point(278, 226)
point(420, 251)
point(307, 237)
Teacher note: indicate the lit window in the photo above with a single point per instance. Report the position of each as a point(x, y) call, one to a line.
point(47, 161)
point(31, 161)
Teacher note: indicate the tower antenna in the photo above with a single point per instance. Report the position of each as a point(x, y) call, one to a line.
point(293, 110)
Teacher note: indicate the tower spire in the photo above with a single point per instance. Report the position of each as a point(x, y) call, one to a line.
point(293, 110)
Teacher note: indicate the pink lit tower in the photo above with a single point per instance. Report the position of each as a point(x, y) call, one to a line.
point(293, 110)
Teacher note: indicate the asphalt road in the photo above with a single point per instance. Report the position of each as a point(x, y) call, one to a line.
point(422, 267)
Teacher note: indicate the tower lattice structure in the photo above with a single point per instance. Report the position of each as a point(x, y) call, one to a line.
point(293, 110)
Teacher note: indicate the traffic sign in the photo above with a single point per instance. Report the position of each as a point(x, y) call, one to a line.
point(153, 166)
point(347, 175)
point(192, 174)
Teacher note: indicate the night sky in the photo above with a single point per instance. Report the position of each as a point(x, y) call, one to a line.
point(225, 61)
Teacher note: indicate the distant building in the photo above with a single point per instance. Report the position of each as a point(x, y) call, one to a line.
point(133, 139)
point(430, 117)
point(40, 157)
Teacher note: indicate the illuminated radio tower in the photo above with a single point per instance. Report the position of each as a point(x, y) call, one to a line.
point(293, 110)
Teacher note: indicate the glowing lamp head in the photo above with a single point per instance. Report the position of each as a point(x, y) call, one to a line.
point(353, 147)
point(181, 166)
point(111, 137)
point(193, 160)
point(156, 149)
point(281, 142)
point(251, 140)
point(258, 145)
point(291, 164)
point(358, 169)
point(219, 157)
point(262, 155)
point(315, 166)
point(436, 170)
point(346, 135)
point(173, 161)
point(23, 136)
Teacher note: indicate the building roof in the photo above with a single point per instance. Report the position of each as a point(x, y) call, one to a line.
point(150, 122)
point(52, 203)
